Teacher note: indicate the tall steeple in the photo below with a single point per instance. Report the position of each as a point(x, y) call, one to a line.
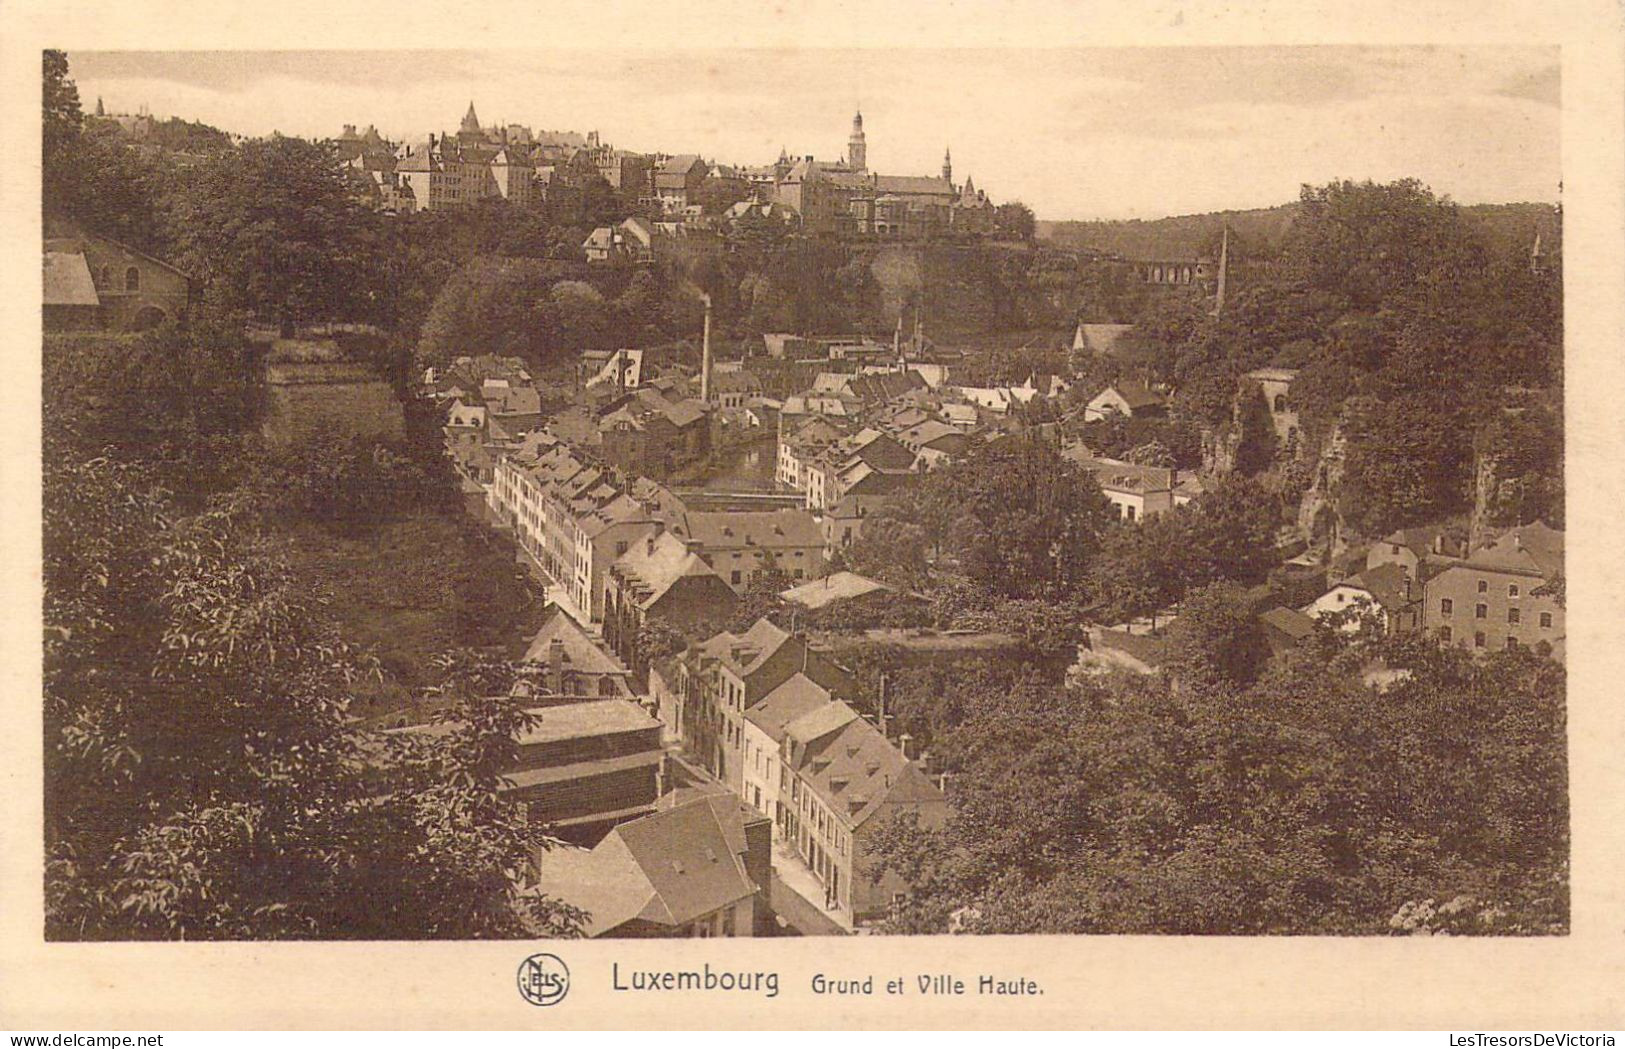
point(857, 151)
point(947, 165)
point(470, 121)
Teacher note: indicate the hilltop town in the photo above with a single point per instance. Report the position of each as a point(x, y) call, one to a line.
point(501, 534)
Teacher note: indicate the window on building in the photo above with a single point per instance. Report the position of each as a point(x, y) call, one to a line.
point(1513, 616)
point(1512, 642)
point(733, 577)
point(1444, 634)
point(1478, 639)
point(1481, 612)
point(1483, 586)
point(620, 548)
point(1512, 590)
point(132, 279)
point(1446, 606)
point(1546, 620)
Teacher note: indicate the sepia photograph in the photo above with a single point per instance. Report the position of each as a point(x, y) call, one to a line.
point(549, 494)
point(1019, 515)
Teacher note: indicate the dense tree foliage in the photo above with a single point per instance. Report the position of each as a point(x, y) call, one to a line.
point(1375, 292)
point(1306, 803)
point(203, 778)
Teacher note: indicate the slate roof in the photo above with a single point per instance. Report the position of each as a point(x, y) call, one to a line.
point(68, 281)
point(1529, 549)
point(595, 717)
point(669, 868)
point(580, 653)
point(838, 586)
point(796, 698)
point(657, 566)
point(855, 770)
point(745, 653)
point(1386, 584)
point(816, 724)
point(756, 529)
point(1137, 395)
point(1289, 621)
point(913, 185)
point(1120, 476)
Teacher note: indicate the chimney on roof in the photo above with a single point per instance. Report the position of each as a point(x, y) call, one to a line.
point(902, 745)
point(555, 666)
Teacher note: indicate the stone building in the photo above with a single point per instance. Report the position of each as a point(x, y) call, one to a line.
point(452, 170)
point(697, 867)
point(92, 282)
point(1502, 595)
point(845, 197)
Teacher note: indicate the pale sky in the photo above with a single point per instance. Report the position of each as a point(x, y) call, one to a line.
point(1075, 133)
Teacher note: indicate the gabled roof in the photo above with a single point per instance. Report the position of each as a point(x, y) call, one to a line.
point(1135, 395)
point(838, 586)
point(820, 722)
point(1117, 475)
point(759, 529)
point(586, 719)
point(656, 565)
point(854, 770)
point(1420, 541)
point(796, 698)
point(580, 653)
point(1534, 549)
point(1289, 621)
point(65, 235)
point(913, 184)
point(1387, 584)
point(68, 281)
point(745, 653)
point(669, 868)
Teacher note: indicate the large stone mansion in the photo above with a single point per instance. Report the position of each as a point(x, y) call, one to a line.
point(845, 197)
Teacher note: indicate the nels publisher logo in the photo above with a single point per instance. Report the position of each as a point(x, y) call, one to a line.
point(544, 979)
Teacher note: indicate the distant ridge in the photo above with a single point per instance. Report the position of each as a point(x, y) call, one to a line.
point(1261, 230)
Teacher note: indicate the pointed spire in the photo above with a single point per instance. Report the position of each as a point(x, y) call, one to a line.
point(470, 121)
point(99, 110)
point(947, 165)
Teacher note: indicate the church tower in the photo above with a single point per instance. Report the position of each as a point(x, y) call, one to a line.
point(857, 152)
point(948, 166)
point(471, 125)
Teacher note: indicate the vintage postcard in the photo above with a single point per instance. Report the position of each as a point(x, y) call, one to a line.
point(688, 518)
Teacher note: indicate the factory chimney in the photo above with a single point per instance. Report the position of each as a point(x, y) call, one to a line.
point(705, 353)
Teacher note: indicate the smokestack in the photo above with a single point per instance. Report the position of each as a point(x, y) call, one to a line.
point(705, 353)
